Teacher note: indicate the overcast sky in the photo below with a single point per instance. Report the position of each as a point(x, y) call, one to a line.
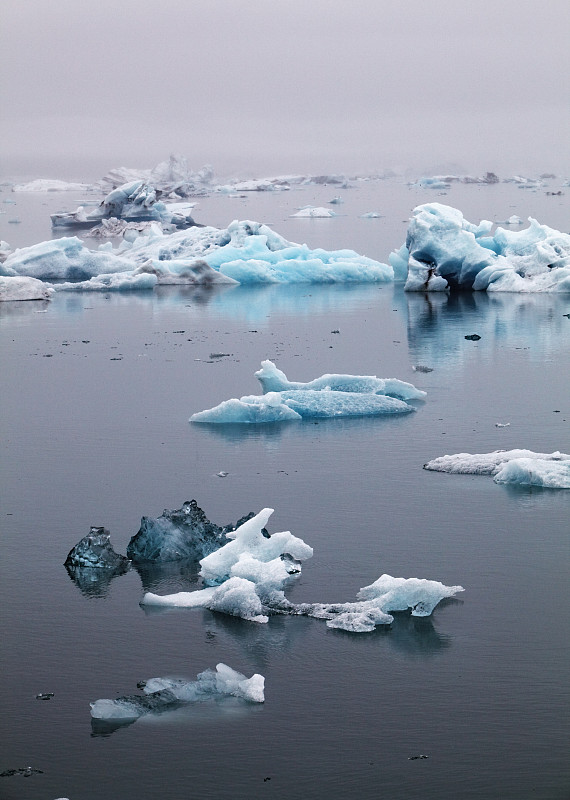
point(266, 86)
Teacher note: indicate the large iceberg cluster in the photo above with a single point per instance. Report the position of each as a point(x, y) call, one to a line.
point(250, 573)
point(521, 467)
point(325, 397)
point(164, 694)
point(244, 252)
point(444, 250)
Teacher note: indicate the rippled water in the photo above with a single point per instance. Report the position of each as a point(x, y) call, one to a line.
point(96, 394)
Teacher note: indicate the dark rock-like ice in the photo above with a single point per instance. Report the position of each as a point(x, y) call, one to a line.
point(185, 533)
point(95, 551)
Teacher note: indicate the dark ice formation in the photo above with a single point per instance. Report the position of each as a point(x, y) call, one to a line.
point(95, 551)
point(185, 533)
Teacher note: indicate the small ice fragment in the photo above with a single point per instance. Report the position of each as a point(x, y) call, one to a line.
point(502, 424)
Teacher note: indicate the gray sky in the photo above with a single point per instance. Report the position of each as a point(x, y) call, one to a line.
point(266, 86)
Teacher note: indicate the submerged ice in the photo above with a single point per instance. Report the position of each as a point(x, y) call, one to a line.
point(250, 573)
point(522, 467)
point(325, 397)
point(164, 694)
point(444, 250)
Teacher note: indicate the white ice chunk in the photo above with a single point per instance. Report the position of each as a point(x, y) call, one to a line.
point(47, 185)
point(487, 463)
point(273, 379)
point(536, 472)
point(400, 594)
point(21, 288)
point(314, 212)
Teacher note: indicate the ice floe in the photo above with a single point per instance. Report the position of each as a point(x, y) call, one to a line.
point(96, 552)
point(314, 212)
point(164, 694)
point(250, 574)
point(445, 250)
point(47, 185)
point(326, 397)
point(522, 467)
point(22, 288)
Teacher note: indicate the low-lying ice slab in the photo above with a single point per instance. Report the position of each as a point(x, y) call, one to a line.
point(314, 212)
point(163, 694)
point(301, 404)
point(244, 252)
point(251, 572)
point(21, 288)
point(49, 185)
point(445, 250)
point(522, 467)
point(273, 379)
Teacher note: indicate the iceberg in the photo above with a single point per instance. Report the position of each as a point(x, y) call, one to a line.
point(244, 252)
point(273, 379)
point(22, 288)
point(522, 467)
point(164, 694)
point(184, 533)
point(250, 573)
point(445, 251)
point(172, 177)
point(136, 201)
point(96, 552)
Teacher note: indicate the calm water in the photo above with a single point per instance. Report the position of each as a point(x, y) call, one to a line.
point(96, 394)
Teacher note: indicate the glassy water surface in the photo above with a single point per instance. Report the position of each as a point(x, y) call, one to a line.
point(96, 395)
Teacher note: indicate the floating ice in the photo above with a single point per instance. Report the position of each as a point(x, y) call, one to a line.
point(273, 379)
point(252, 572)
point(314, 212)
point(445, 250)
point(21, 288)
point(327, 396)
point(136, 201)
point(163, 694)
point(95, 551)
point(46, 185)
point(182, 533)
point(524, 467)
point(172, 177)
point(431, 183)
point(377, 600)
point(301, 403)
point(247, 252)
point(371, 215)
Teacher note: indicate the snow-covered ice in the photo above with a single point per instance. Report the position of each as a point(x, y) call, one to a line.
point(314, 212)
point(47, 185)
point(446, 250)
point(163, 694)
point(523, 467)
point(273, 379)
point(23, 288)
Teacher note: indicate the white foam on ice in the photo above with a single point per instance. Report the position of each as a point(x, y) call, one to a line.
point(523, 467)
